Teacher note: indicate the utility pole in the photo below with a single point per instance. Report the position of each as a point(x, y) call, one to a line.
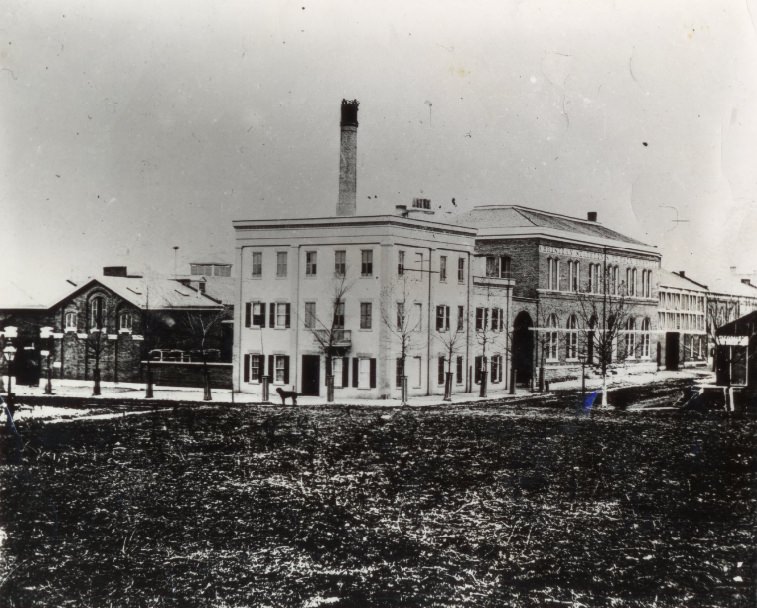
point(604, 328)
point(175, 255)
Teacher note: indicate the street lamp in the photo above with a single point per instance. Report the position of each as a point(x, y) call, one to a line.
point(9, 354)
point(46, 333)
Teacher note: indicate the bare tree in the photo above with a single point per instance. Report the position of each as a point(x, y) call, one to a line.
point(328, 331)
point(95, 345)
point(489, 324)
point(452, 340)
point(604, 316)
point(199, 328)
point(719, 313)
point(402, 322)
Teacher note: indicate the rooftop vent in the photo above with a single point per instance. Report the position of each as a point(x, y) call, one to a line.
point(114, 271)
point(682, 273)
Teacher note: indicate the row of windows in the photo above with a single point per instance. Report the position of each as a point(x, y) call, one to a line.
point(634, 341)
point(677, 301)
point(97, 316)
point(595, 283)
point(677, 320)
point(276, 367)
point(311, 263)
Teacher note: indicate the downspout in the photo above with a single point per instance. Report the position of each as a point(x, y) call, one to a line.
point(428, 329)
point(239, 315)
point(508, 339)
point(467, 326)
point(294, 365)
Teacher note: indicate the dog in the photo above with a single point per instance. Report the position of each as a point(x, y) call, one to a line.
point(285, 394)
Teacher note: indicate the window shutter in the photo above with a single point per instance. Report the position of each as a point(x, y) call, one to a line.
point(398, 373)
point(247, 367)
point(286, 370)
point(271, 371)
point(247, 313)
point(440, 371)
point(262, 314)
point(373, 373)
point(345, 371)
point(493, 369)
point(477, 370)
point(355, 371)
point(272, 316)
point(287, 309)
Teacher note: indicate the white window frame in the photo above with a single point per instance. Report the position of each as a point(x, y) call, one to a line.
point(571, 338)
point(364, 373)
point(280, 314)
point(552, 341)
point(366, 262)
point(256, 270)
point(311, 263)
point(461, 270)
point(340, 266)
point(442, 268)
point(70, 326)
point(125, 322)
point(279, 365)
point(281, 268)
point(366, 306)
point(337, 370)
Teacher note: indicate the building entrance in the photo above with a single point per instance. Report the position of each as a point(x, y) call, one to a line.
point(672, 350)
point(523, 349)
point(311, 375)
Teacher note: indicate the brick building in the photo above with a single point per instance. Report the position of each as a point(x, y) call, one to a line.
point(575, 282)
point(110, 322)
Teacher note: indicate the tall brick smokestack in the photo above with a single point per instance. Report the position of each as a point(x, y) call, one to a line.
point(347, 204)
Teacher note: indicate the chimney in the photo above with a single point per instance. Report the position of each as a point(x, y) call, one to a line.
point(682, 273)
point(591, 216)
point(746, 281)
point(114, 271)
point(347, 204)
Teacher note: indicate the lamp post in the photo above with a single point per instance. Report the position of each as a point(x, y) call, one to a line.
point(9, 354)
point(46, 333)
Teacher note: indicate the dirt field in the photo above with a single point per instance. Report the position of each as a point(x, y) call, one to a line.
point(465, 506)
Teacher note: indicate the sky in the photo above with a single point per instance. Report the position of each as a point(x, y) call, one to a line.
point(131, 128)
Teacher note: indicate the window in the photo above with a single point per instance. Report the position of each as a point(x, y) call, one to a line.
point(460, 318)
point(364, 373)
point(442, 318)
point(399, 372)
point(553, 274)
point(497, 319)
point(419, 316)
point(258, 314)
point(571, 338)
point(443, 268)
point(594, 284)
point(551, 338)
point(461, 270)
point(282, 315)
point(498, 267)
point(310, 315)
point(415, 376)
point(338, 315)
point(440, 370)
point(281, 264)
point(281, 369)
point(124, 321)
point(630, 339)
point(496, 367)
point(71, 320)
point(574, 273)
point(482, 318)
point(257, 264)
point(337, 370)
point(256, 368)
point(419, 260)
point(645, 327)
point(479, 366)
point(400, 316)
point(631, 281)
point(366, 262)
point(400, 263)
point(614, 278)
point(97, 312)
point(366, 315)
point(459, 370)
point(340, 263)
point(646, 283)
point(311, 263)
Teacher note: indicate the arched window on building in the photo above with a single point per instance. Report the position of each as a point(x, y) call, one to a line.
point(571, 338)
point(71, 320)
point(97, 312)
point(630, 339)
point(551, 338)
point(646, 327)
point(125, 320)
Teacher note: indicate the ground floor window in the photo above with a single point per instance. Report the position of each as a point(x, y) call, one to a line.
point(415, 376)
point(551, 338)
point(459, 370)
point(253, 369)
point(496, 368)
point(281, 369)
point(337, 369)
point(440, 370)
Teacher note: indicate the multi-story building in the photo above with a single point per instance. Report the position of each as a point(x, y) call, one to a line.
point(576, 282)
point(366, 299)
point(682, 321)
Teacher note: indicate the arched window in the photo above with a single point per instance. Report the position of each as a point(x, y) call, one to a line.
point(630, 339)
point(571, 338)
point(551, 338)
point(125, 320)
point(96, 312)
point(71, 320)
point(645, 328)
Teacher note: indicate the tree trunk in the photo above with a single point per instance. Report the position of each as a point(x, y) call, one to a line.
point(96, 376)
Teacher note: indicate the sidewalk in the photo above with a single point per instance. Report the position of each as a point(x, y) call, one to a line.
point(79, 392)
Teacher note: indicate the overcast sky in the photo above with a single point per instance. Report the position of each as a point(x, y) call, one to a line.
point(128, 128)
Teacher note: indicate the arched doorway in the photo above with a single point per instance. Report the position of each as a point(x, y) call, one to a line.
point(523, 348)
